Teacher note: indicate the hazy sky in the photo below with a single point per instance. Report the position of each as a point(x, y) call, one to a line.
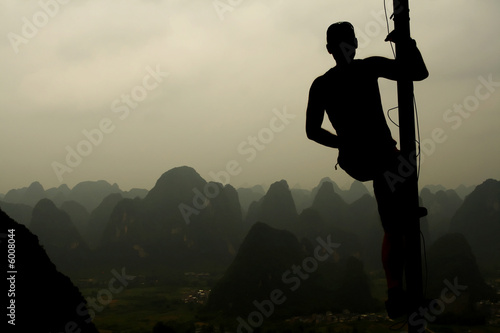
point(126, 90)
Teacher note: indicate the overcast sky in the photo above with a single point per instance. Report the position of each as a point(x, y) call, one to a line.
point(126, 90)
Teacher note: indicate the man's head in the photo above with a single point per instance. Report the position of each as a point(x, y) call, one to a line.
point(341, 41)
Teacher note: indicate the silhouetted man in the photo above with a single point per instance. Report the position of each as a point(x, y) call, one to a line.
point(349, 94)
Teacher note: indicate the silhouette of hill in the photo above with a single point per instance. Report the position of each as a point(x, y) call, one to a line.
point(217, 234)
point(302, 199)
point(223, 222)
point(135, 193)
point(355, 225)
point(20, 212)
point(33, 194)
point(184, 217)
point(478, 219)
point(452, 265)
point(91, 193)
point(364, 221)
point(272, 262)
point(58, 195)
point(311, 226)
point(356, 191)
point(330, 205)
point(174, 202)
point(45, 299)
point(124, 239)
point(441, 207)
point(87, 193)
point(354, 292)
point(59, 236)
point(78, 215)
point(462, 190)
point(99, 218)
point(14, 195)
point(265, 254)
point(176, 187)
point(276, 208)
point(315, 190)
point(249, 195)
point(432, 188)
point(27, 195)
point(183, 220)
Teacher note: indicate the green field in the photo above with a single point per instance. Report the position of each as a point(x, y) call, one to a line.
point(139, 309)
point(144, 303)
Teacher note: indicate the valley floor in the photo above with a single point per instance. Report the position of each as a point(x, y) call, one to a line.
point(178, 302)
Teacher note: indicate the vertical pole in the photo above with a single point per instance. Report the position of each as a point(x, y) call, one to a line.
point(413, 264)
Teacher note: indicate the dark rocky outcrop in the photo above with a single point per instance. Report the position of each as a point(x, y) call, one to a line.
point(45, 299)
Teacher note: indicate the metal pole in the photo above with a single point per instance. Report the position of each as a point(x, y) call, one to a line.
point(413, 264)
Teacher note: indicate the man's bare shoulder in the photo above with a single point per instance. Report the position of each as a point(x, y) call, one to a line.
point(322, 80)
point(318, 83)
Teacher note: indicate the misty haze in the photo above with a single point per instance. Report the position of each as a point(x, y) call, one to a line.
point(196, 251)
point(243, 166)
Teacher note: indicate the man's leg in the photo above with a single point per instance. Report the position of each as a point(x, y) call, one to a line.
point(391, 210)
point(393, 247)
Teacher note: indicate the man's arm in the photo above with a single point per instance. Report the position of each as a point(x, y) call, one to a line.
point(314, 118)
point(412, 67)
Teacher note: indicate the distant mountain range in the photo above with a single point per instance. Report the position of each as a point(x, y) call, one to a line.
point(89, 194)
point(180, 215)
point(187, 223)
